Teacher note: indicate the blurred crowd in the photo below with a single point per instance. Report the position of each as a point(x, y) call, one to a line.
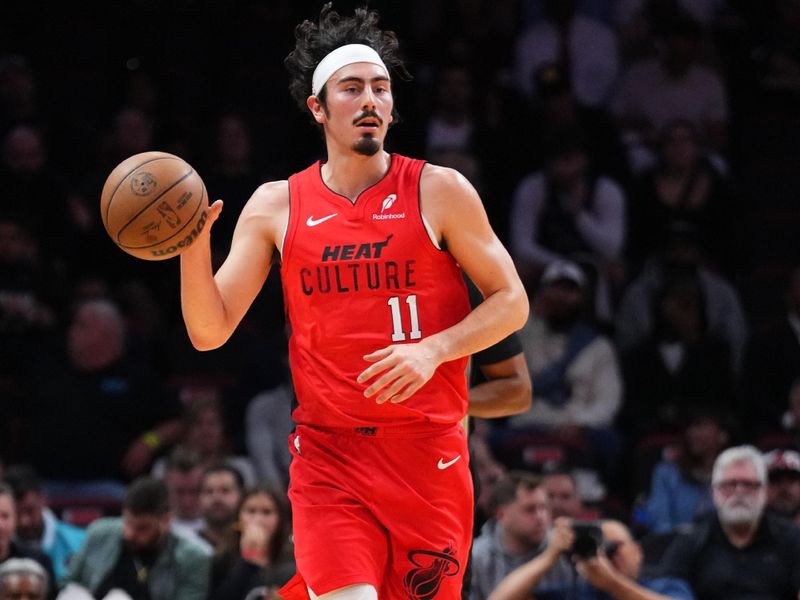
point(637, 157)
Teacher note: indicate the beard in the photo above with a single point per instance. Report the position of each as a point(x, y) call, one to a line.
point(146, 547)
point(367, 146)
point(738, 514)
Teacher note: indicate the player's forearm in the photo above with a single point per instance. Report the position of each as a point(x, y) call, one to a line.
point(500, 397)
point(499, 315)
point(201, 302)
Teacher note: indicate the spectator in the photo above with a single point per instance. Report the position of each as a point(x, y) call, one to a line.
point(681, 260)
point(258, 553)
point(38, 528)
point(725, 555)
point(574, 370)
point(681, 489)
point(556, 108)
point(683, 186)
point(562, 493)
point(453, 123)
point(104, 390)
point(139, 554)
point(23, 579)
point(675, 85)
point(268, 423)
point(19, 97)
point(27, 296)
point(9, 548)
point(34, 192)
point(585, 47)
point(29, 302)
point(131, 131)
point(773, 366)
point(613, 573)
point(777, 56)
point(568, 212)
point(183, 476)
point(220, 495)
point(232, 176)
point(788, 435)
point(679, 365)
point(640, 21)
point(516, 534)
point(205, 434)
point(783, 491)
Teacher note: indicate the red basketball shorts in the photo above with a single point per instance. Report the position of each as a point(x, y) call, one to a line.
point(384, 508)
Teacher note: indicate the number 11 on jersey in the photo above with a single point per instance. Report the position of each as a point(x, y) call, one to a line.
point(398, 335)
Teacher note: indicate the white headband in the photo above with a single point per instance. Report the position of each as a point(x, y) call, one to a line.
point(343, 55)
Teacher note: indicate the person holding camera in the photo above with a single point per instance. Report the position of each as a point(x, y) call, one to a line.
point(605, 556)
point(518, 533)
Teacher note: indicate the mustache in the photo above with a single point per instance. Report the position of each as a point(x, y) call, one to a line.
point(369, 114)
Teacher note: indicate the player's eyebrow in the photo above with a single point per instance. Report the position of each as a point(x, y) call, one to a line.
point(353, 78)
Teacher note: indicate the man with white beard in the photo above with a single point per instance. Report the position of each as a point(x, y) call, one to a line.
point(740, 551)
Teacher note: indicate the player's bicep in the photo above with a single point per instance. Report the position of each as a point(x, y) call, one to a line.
point(473, 243)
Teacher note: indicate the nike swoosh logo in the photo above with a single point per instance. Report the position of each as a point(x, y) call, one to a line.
point(312, 223)
point(443, 465)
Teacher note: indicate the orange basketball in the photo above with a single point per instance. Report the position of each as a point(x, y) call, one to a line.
point(154, 205)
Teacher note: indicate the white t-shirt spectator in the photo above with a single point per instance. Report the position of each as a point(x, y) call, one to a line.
point(594, 57)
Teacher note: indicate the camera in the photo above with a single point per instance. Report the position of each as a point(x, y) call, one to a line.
point(588, 539)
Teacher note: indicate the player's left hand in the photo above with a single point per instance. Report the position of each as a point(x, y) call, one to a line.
point(403, 369)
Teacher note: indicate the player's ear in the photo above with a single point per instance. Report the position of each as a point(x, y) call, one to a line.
point(316, 108)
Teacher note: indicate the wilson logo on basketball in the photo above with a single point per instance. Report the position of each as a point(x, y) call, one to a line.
point(201, 223)
point(142, 183)
point(423, 582)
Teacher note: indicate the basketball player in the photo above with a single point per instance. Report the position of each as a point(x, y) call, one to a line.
point(371, 247)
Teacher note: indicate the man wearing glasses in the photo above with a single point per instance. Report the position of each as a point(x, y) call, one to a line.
point(740, 551)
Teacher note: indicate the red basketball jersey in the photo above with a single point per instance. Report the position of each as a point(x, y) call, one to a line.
point(358, 277)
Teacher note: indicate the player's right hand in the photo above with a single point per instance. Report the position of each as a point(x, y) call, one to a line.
point(400, 370)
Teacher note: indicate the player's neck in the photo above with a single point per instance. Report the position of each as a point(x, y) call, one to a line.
point(349, 174)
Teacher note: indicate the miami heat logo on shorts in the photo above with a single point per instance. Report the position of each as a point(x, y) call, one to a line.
point(422, 583)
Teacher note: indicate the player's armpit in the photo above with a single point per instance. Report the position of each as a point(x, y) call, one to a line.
point(456, 214)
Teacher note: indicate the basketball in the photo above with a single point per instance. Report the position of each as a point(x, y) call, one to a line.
point(154, 205)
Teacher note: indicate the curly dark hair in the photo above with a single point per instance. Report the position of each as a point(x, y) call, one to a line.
point(314, 41)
